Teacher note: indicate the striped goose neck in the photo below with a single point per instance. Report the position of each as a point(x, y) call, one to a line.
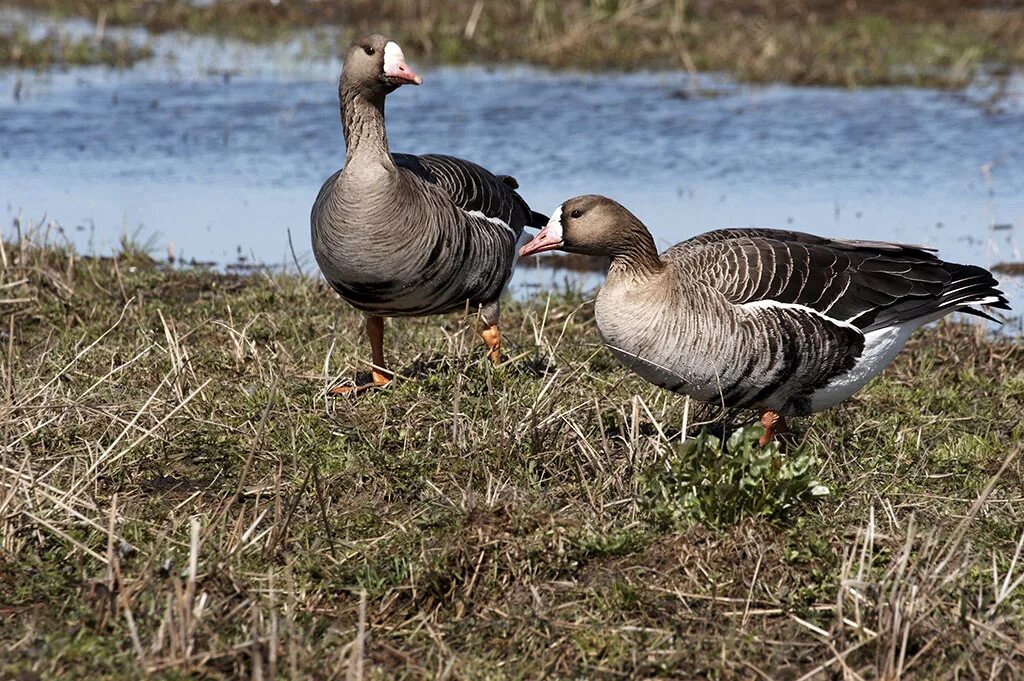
point(362, 121)
point(634, 254)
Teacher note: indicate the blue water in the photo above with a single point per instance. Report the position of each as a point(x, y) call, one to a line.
point(217, 149)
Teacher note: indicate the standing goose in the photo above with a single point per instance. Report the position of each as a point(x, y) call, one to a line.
point(784, 322)
point(400, 235)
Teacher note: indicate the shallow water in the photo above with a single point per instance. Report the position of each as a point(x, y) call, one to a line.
point(218, 149)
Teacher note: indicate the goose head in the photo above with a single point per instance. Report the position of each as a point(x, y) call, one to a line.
point(590, 225)
point(376, 64)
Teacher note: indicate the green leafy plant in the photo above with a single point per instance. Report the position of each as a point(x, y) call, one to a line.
point(702, 481)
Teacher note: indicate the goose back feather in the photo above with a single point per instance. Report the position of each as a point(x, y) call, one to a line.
point(869, 284)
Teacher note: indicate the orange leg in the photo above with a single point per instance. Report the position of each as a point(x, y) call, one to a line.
point(492, 336)
point(381, 376)
point(774, 424)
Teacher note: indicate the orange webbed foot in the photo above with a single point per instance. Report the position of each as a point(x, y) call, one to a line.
point(492, 337)
point(379, 380)
point(774, 425)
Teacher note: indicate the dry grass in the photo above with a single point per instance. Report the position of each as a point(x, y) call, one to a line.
point(822, 42)
point(179, 499)
point(18, 49)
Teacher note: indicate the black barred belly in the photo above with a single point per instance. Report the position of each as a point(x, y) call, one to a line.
point(442, 283)
point(791, 355)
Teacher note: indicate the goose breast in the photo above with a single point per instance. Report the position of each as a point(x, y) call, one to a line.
point(442, 235)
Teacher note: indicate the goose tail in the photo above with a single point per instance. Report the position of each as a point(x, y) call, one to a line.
point(969, 286)
point(537, 219)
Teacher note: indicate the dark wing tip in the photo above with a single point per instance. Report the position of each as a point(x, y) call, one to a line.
point(973, 286)
point(509, 180)
point(984, 315)
point(1001, 304)
point(537, 219)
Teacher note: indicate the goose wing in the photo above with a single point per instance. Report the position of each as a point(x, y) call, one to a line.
point(474, 190)
point(866, 284)
point(829, 313)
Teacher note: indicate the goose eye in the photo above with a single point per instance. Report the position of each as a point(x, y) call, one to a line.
point(369, 50)
point(576, 213)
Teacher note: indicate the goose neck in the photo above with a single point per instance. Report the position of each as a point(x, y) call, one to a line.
point(636, 257)
point(362, 119)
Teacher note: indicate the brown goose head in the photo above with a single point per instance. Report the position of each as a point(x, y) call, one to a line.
point(595, 225)
point(375, 65)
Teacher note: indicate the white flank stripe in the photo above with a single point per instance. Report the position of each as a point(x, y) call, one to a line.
point(495, 221)
point(768, 304)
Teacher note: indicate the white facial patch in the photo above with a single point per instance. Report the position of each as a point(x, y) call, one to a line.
point(554, 226)
point(393, 57)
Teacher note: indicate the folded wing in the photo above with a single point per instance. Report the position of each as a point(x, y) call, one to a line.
point(866, 284)
point(474, 190)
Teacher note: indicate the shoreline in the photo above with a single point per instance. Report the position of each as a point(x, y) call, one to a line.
point(934, 44)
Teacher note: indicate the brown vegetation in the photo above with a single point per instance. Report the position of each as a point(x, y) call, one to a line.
point(820, 42)
point(178, 498)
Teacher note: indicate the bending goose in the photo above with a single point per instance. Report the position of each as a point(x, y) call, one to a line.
point(784, 322)
point(401, 235)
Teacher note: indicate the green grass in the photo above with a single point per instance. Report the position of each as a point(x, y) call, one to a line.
point(936, 43)
point(720, 484)
point(178, 498)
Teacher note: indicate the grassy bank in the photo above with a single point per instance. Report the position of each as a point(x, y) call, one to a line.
point(178, 497)
point(19, 49)
point(820, 42)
